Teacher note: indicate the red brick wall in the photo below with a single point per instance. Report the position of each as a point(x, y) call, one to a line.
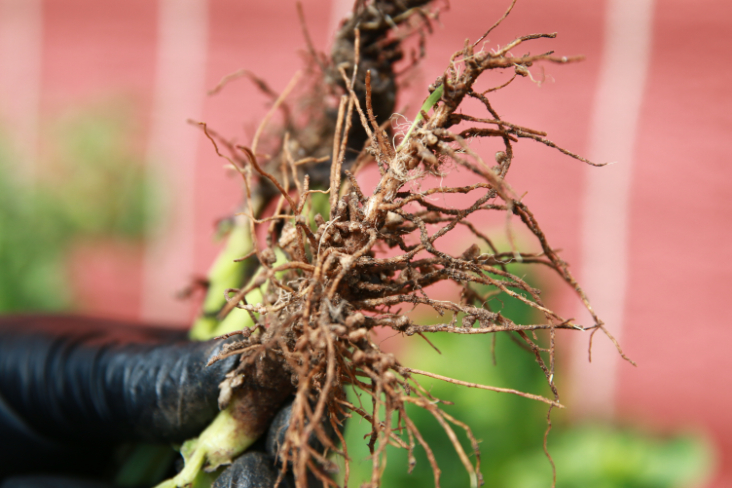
point(677, 225)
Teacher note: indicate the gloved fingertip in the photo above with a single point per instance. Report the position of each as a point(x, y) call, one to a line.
point(277, 430)
point(254, 469)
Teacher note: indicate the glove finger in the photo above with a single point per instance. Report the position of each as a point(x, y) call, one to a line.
point(95, 384)
point(278, 428)
point(254, 469)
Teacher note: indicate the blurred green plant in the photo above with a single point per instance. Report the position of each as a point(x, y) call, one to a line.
point(511, 429)
point(31, 261)
point(99, 181)
point(603, 456)
point(91, 185)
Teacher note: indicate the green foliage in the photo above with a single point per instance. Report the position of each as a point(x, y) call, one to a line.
point(31, 266)
point(92, 187)
point(602, 456)
point(102, 190)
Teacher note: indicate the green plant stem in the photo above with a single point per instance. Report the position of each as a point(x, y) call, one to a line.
point(224, 274)
point(218, 445)
point(225, 438)
point(426, 107)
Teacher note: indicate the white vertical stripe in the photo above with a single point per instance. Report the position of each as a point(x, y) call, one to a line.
point(606, 206)
point(179, 91)
point(21, 54)
point(339, 10)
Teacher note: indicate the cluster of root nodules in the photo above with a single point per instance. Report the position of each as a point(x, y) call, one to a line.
point(321, 304)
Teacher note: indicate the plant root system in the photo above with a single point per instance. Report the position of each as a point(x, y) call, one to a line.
point(329, 279)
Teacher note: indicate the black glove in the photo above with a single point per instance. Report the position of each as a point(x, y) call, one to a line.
point(74, 389)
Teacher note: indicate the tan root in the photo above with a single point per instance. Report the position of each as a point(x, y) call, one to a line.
point(334, 288)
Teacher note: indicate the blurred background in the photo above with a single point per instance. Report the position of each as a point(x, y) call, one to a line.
point(109, 199)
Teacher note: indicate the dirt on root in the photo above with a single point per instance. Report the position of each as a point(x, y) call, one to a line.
point(313, 329)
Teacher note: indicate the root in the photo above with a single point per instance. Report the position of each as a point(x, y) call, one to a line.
point(324, 280)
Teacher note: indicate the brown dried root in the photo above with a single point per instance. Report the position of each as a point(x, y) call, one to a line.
point(330, 287)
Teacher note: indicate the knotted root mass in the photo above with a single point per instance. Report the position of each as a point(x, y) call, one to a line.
point(325, 282)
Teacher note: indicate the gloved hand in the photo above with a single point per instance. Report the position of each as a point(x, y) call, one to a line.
point(72, 390)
